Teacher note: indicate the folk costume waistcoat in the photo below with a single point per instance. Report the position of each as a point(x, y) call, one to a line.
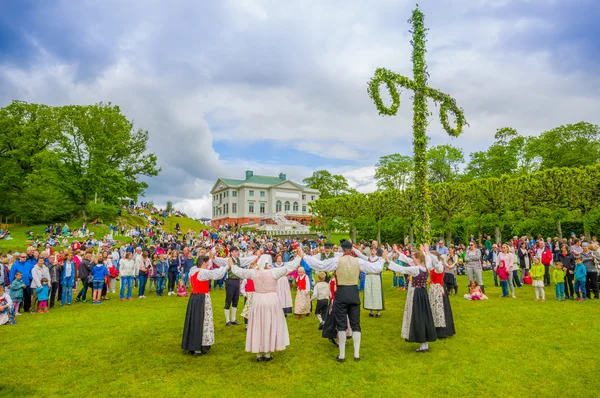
point(230, 274)
point(347, 271)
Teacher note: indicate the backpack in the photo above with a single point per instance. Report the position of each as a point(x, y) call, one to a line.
point(546, 257)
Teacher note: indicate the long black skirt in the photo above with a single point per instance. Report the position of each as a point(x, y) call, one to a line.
point(329, 326)
point(194, 324)
point(422, 328)
point(449, 329)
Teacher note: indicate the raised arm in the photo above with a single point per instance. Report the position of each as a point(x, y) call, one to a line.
point(433, 261)
point(286, 268)
point(208, 274)
point(221, 261)
point(326, 265)
point(246, 261)
point(374, 268)
point(242, 273)
point(359, 254)
point(413, 271)
point(407, 260)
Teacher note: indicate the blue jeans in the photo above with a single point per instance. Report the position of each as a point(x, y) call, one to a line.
point(160, 285)
point(186, 277)
point(580, 285)
point(67, 293)
point(495, 274)
point(504, 285)
point(398, 280)
point(560, 290)
point(142, 278)
point(516, 278)
point(126, 281)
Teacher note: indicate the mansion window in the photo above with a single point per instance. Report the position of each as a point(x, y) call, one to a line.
point(262, 208)
point(303, 209)
point(278, 206)
point(234, 207)
point(251, 193)
point(287, 206)
point(303, 197)
point(296, 206)
point(234, 193)
point(262, 194)
point(251, 207)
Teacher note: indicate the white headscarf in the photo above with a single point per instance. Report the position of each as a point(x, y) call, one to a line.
point(265, 260)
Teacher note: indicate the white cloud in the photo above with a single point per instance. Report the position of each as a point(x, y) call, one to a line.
point(295, 73)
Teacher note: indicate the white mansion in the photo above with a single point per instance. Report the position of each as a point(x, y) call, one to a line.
point(260, 199)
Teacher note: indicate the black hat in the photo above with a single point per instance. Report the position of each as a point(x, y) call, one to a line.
point(234, 248)
point(346, 245)
point(328, 245)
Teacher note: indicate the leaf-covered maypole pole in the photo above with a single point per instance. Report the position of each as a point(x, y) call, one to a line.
point(421, 93)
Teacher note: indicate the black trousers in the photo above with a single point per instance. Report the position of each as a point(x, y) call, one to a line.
point(172, 276)
point(347, 306)
point(53, 292)
point(322, 306)
point(569, 291)
point(546, 275)
point(104, 289)
point(83, 292)
point(591, 284)
point(26, 299)
point(232, 293)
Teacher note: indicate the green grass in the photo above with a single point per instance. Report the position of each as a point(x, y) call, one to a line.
point(503, 347)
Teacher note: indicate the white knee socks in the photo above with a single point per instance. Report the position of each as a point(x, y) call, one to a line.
point(424, 346)
point(356, 338)
point(342, 344)
point(320, 318)
point(227, 315)
point(233, 312)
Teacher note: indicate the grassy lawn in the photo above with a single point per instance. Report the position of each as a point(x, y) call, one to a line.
point(504, 347)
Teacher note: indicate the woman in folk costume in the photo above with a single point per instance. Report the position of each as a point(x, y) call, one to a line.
point(302, 304)
point(247, 290)
point(438, 299)
point(417, 324)
point(267, 329)
point(198, 329)
point(373, 293)
point(283, 287)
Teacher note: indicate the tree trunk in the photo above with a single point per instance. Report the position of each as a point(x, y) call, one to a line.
point(353, 234)
point(328, 236)
point(411, 235)
point(586, 232)
point(559, 229)
point(480, 233)
point(448, 238)
point(83, 214)
point(498, 235)
point(378, 233)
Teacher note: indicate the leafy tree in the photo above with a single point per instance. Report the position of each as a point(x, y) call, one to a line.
point(169, 206)
point(444, 161)
point(506, 156)
point(394, 171)
point(566, 146)
point(101, 153)
point(329, 185)
point(448, 200)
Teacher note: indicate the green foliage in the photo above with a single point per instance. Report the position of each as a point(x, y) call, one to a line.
point(418, 86)
point(505, 156)
point(169, 206)
point(54, 160)
point(443, 162)
point(394, 171)
point(566, 146)
point(329, 185)
point(105, 212)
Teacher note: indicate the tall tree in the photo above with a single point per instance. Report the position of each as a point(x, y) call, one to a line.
point(329, 185)
point(566, 146)
point(506, 156)
point(101, 154)
point(394, 171)
point(444, 162)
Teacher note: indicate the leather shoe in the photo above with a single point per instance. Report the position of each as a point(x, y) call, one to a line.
point(333, 342)
point(356, 359)
point(420, 350)
point(338, 359)
point(228, 324)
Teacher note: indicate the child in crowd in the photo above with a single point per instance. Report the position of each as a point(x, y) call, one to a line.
point(181, 291)
point(558, 278)
point(99, 273)
point(113, 273)
point(322, 294)
point(460, 268)
point(502, 273)
point(537, 275)
point(16, 291)
point(6, 306)
point(43, 292)
point(580, 275)
point(475, 292)
point(450, 277)
point(302, 304)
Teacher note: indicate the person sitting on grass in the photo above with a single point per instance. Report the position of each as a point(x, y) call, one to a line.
point(475, 292)
point(181, 290)
point(99, 273)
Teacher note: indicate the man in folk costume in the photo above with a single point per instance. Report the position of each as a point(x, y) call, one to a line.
point(347, 299)
point(232, 285)
point(373, 293)
point(267, 328)
point(198, 329)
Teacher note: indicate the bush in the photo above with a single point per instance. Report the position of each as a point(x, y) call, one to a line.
point(104, 212)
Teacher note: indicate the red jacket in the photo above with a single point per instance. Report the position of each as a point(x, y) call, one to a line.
point(547, 256)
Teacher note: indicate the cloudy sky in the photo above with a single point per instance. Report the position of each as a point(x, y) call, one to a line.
point(280, 86)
